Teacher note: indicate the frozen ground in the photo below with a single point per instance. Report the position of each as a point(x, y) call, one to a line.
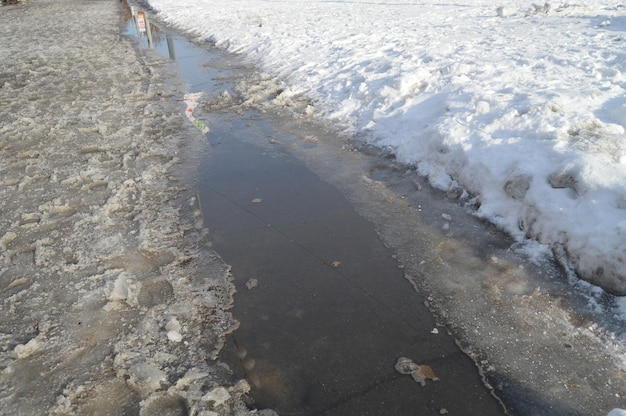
point(111, 302)
point(518, 104)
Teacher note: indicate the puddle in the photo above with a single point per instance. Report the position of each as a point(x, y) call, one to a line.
point(138, 24)
point(324, 307)
point(335, 283)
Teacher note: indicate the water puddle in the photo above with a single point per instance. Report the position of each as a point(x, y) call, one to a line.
point(339, 257)
point(324, 306)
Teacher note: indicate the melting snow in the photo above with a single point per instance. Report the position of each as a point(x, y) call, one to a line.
point(520, 105)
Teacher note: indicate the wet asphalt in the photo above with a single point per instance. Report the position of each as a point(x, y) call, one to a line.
point(331, 311)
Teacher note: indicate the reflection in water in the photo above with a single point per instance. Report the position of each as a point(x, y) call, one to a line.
point(138, 23)
point(126, 13)
point(170, 47)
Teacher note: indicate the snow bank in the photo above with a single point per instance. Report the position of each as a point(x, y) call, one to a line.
point(520, 105)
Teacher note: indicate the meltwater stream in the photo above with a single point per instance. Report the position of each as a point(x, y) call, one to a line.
point(326, 307)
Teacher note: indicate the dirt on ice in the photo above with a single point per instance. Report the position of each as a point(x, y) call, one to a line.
point(112, 302)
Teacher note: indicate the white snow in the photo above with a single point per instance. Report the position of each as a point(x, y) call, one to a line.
point(26, 350)
point(520, 105)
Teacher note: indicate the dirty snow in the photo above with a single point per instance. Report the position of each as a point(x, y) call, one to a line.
point(112, 302)
point(521, 105)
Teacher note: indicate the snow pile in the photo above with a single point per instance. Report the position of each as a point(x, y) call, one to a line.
point(520, 105)
point(112, 303)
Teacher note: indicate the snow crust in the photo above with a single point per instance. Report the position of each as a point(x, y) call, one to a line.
point(519, 105)
point(111, 300)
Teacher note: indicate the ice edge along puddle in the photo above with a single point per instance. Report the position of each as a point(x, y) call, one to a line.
point(364, 303)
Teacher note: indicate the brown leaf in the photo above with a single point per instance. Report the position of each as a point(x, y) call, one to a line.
point(426, 372)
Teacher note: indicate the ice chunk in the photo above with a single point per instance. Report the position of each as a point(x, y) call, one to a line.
point(174, 336)
point(124, 290)
point(505, 11)
point(192, 375)
point(164, 404)
point(6, 239)
point(28, 349)
point(482, 107)
point(120, 288)
point(173, 325)
point(218, 396)
point(146, 377)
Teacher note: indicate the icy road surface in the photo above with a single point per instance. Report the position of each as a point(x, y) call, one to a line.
point(111, 303)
